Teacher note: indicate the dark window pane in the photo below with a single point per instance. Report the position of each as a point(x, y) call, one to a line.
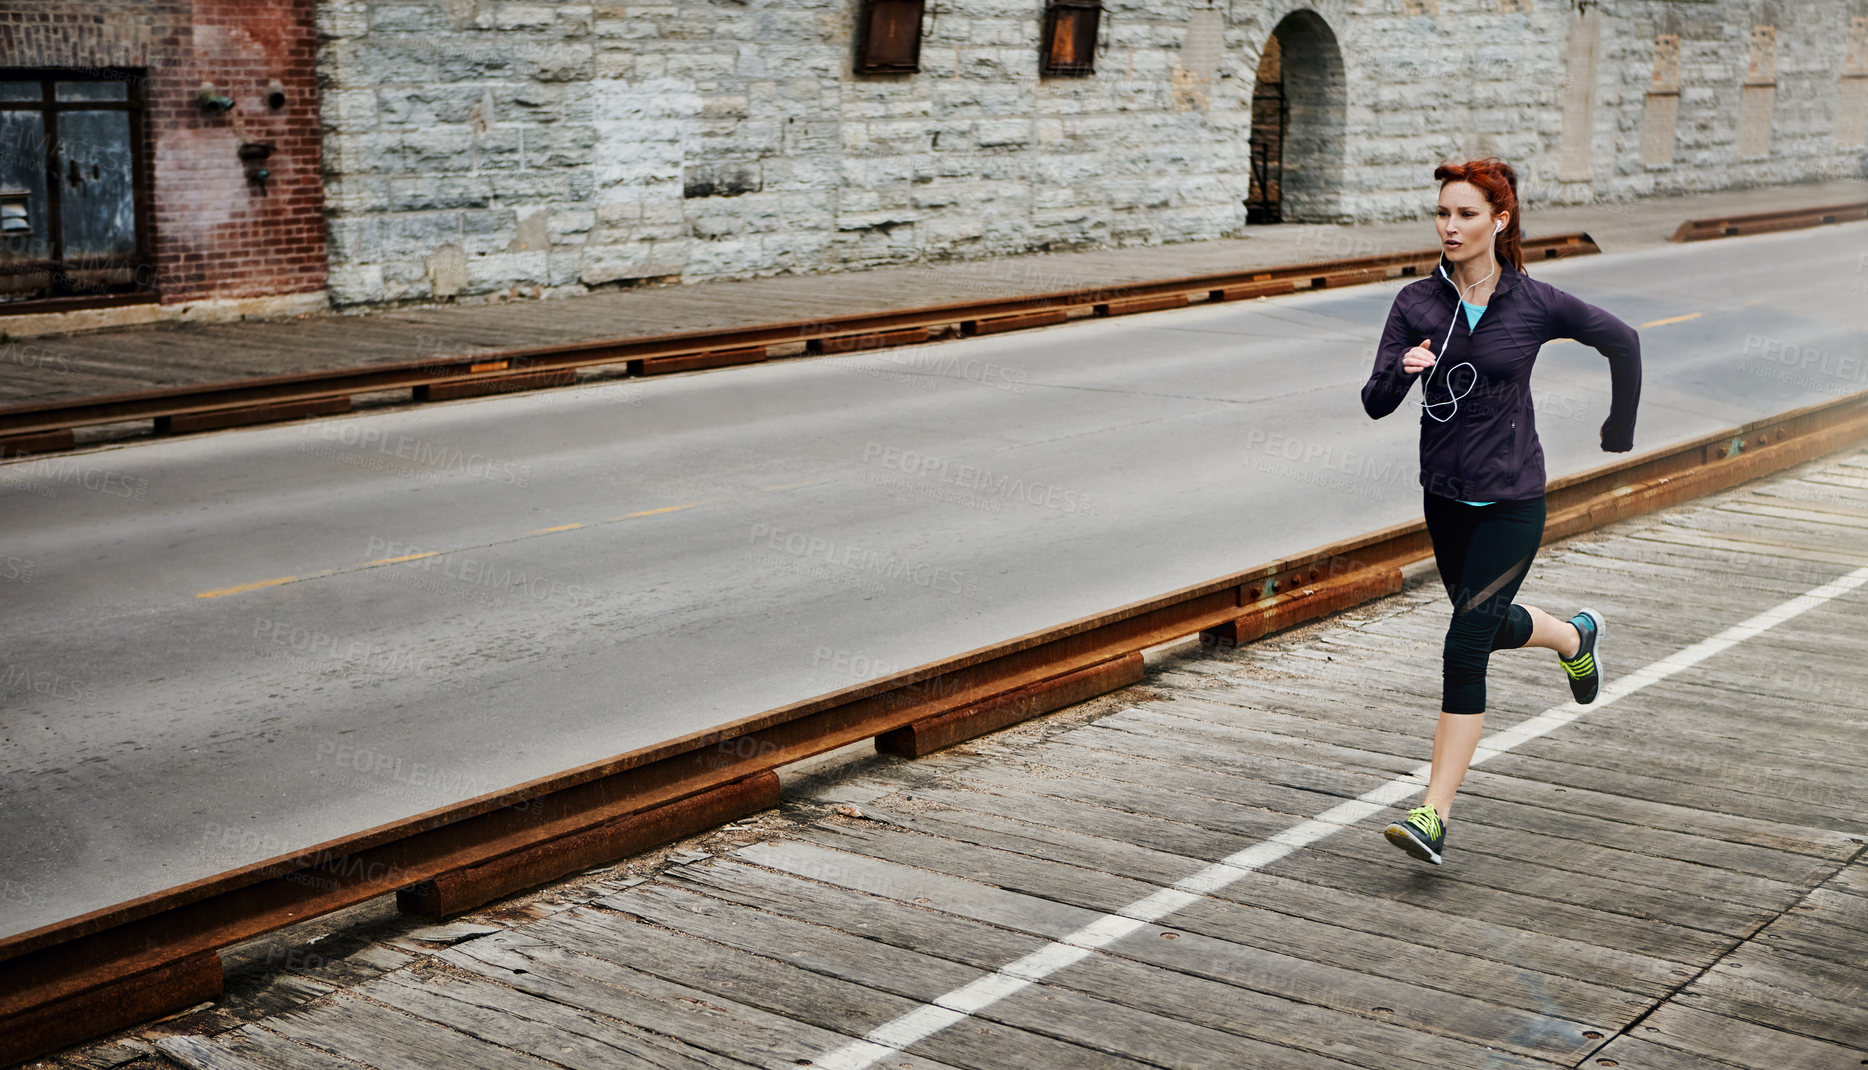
point(25, 214)
point(92, 90)
point(25, 228)
point(96, 209)
point(893, 40)
point(20, 90)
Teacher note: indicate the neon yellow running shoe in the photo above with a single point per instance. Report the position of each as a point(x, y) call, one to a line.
point(1422, 834)
point(1585, 669)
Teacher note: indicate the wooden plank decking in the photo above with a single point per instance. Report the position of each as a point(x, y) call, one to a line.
point(1675, 880)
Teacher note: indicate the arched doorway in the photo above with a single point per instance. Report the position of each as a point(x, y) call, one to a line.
point(1298, 106)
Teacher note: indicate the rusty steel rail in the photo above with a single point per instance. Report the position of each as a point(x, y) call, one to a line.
point(49, 425)
point(1765, 222)
point(113, 967)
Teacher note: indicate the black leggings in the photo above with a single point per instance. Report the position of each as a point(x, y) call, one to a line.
point(1484, 552)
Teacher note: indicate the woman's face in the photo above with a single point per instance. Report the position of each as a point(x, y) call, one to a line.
point(1465, 221)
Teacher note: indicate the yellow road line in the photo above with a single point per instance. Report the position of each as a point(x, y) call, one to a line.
point(256, 585)
point(1674, 319)
point(397, 560)
point(654, 512)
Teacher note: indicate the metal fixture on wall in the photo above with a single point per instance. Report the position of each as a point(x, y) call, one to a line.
point(212, 100)
point(253, 155)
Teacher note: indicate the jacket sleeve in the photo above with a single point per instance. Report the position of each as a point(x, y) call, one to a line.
point(1570, 317)
point(1388, 384)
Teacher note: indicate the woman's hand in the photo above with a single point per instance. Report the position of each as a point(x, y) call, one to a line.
point(1418, 359)
point(1616, 440)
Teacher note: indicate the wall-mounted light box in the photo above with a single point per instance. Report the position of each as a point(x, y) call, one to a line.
point(15, 219)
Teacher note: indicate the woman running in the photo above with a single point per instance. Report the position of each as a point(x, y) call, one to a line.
point(1474, 328)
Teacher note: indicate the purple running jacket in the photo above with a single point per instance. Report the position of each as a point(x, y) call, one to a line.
point(1487, 447)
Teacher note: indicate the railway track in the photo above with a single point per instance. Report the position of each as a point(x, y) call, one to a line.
point(84, 976)
point(49, 426)
point(1767, 222)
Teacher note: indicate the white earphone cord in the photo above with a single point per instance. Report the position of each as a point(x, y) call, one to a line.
point(1452, 398)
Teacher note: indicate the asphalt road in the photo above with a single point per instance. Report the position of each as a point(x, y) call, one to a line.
point(221, 648)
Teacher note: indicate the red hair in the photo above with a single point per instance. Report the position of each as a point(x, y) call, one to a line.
point(1499, 183)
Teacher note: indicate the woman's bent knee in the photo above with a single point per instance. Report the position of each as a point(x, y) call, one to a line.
point(1514, 631)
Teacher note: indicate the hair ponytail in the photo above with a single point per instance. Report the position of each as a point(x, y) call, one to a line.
point(1494, 178)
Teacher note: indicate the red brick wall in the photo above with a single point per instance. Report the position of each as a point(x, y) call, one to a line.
point(214, 234)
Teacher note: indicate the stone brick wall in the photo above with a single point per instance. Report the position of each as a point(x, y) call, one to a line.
point(214, 234)
point(479, 148)
point(1802, 81)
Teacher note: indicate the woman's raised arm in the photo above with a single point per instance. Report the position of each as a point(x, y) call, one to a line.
point(1571, 317)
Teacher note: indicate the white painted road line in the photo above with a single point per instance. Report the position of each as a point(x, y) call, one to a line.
point(969, 999)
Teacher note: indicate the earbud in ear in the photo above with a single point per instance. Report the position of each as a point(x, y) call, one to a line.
point(1499, 229)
